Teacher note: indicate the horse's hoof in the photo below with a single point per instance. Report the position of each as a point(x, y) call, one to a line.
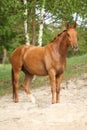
point(16, 101)
point(53, 102)
point(32, 98)
point(58, 102)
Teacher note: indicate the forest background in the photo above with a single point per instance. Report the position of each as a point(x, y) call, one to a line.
point(52, 15)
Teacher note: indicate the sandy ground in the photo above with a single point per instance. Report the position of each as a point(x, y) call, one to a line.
point(70, 114)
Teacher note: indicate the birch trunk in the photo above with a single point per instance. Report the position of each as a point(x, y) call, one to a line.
point(33, 32)
point(41, 24)
point(34, 23)
point(26, 24)
point(76, 17)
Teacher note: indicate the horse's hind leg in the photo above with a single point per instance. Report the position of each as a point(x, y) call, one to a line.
point(15, 81)
point(27, 80)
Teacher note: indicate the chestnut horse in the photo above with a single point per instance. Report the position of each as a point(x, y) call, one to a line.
point(48, 60)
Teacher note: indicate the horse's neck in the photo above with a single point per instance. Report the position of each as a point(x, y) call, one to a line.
point(60, 45)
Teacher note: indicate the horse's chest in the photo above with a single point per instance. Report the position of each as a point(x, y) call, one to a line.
point(59, 68)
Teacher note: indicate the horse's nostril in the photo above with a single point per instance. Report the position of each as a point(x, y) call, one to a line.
point(75, 47)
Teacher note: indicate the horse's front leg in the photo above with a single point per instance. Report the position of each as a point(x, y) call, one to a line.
point(52, 76)
point(58, 81)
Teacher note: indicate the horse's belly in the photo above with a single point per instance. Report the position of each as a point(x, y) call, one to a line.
point(36, 68)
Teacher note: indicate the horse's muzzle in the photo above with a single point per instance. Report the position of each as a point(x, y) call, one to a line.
point(75, 47)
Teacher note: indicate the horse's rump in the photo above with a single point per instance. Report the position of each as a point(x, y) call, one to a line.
point(17, 57)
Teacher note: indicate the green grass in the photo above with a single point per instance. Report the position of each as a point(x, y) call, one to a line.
point(5, 79)
point(75, 67)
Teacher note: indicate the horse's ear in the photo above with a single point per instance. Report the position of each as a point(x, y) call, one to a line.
point(75, 24)
point(67, 25)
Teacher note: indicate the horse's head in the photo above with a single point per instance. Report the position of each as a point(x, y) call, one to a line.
point(72, 36)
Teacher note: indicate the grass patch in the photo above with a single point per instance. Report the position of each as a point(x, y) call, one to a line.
point(5, 79)
point(75, 67)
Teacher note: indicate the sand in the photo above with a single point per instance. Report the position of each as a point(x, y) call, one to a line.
point(69, 114)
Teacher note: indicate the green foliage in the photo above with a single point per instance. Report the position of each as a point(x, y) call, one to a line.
point(82, 40)
point(9, 18)
point(64, 10)
point(12, 21)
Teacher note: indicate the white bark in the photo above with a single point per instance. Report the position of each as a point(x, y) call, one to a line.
point(76, 17)
point(41, 24)
point(26, 24)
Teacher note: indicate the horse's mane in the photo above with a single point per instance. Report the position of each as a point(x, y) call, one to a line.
point(58, 35)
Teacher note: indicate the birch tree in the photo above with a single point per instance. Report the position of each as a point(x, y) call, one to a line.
point(34, 23)
point(26, 24)
point(41, 24)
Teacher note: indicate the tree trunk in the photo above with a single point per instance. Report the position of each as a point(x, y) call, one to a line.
point(41, 24)
point(26, 24)
point(4, 60)
point(34, 24)
point(76, 18)
point(33, 32)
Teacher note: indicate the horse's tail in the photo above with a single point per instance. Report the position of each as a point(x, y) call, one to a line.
point(12, 73)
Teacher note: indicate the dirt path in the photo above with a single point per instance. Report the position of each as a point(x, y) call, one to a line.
point(70, 114)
